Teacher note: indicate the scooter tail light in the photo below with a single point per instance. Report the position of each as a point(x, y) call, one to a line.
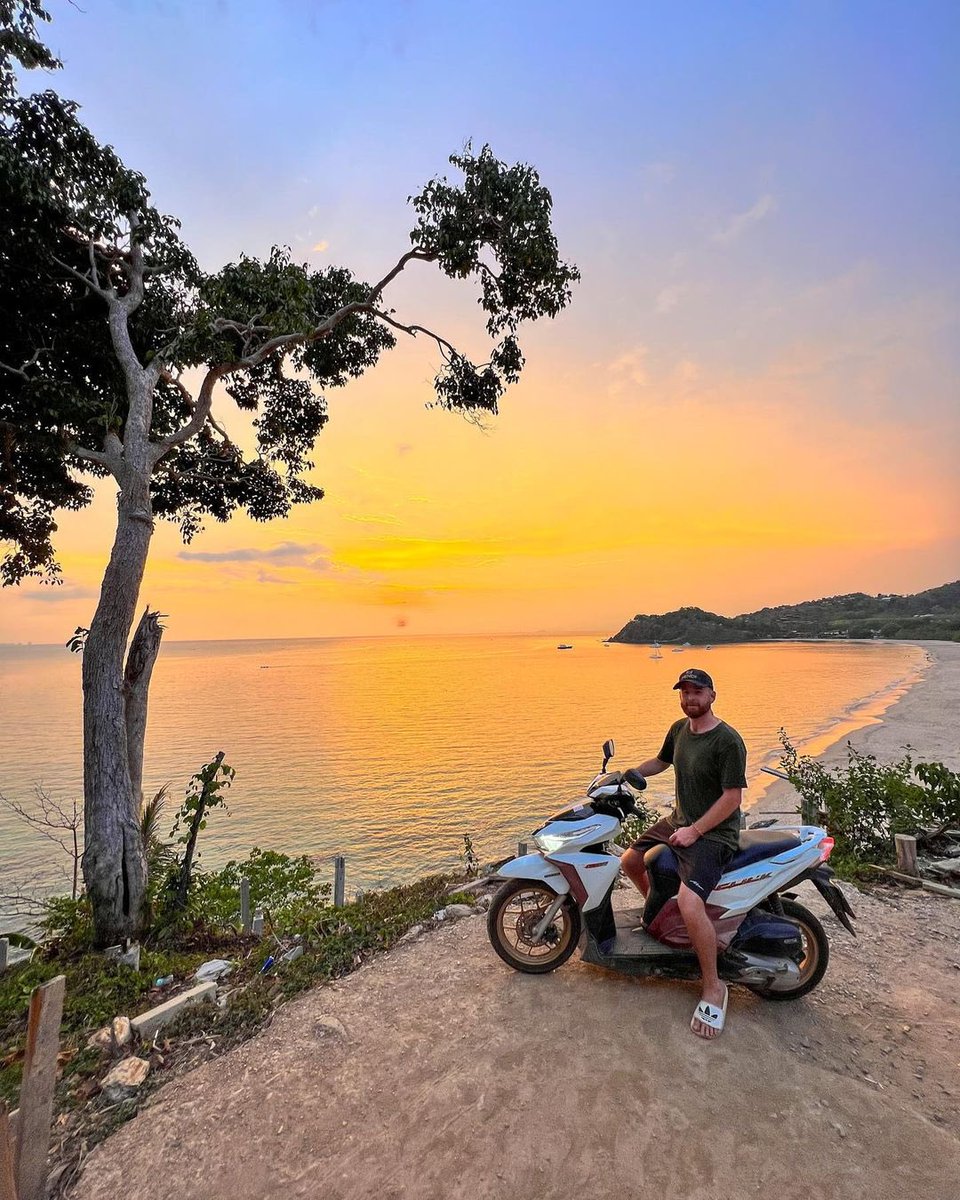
point(825, 848)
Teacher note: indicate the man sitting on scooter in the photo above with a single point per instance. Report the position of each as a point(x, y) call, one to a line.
point(709, 761)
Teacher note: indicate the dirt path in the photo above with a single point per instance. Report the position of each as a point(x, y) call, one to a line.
point(437, 1072)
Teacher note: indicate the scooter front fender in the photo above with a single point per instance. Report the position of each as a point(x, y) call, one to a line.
point(535, 866)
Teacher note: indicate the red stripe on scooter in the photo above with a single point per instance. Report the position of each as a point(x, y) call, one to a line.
point(577, 890)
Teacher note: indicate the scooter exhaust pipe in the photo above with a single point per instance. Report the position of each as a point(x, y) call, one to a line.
point(762, 970)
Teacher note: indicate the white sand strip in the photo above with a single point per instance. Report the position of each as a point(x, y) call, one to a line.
point(925, 721)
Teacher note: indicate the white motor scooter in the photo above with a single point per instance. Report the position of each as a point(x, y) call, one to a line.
point(766, 940)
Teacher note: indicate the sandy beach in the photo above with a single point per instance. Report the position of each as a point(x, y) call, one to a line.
point(923, 721)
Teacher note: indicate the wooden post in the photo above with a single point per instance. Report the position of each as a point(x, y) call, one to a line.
point(4, 948)
point(339, 879)
point(36, 1091)
point(246, 920)
point(906, 853)
point(8, 1187)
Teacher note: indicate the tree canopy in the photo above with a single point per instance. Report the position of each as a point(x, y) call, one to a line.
point(113, 309)
point(120, 348)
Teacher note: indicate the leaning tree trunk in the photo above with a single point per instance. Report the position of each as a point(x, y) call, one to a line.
point(136, 686)
point(114, 865)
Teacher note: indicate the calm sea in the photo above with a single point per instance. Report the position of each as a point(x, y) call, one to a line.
point(389, 750)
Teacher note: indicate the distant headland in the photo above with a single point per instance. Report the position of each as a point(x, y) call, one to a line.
point(933, 614)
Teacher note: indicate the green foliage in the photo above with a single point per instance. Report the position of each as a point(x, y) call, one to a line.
point(866, 802)
point(934, 613)
point(635, 824)
point(69, 922)
point(286, 887)
point(203, 794)
point(470, 861)
point(942, 794)
point(79, 233)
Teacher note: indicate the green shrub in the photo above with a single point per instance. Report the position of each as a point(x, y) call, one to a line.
point(634, 825)
point(286, 887)
point(866, 802)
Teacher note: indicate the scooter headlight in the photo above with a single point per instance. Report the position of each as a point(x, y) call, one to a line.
point(550, 843)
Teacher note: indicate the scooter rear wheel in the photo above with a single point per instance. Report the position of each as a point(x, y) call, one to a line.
point(517, 908)
point(816, 954)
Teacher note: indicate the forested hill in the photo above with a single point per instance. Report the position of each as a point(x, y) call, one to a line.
point(932, 614)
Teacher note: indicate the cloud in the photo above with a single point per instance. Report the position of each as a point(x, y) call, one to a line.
point(286, 553)
point(53, 594)
point(320, 247)
point(742, 221)
point(669, 297)
point(380, 556)
point(364, 519)
point(630, 367)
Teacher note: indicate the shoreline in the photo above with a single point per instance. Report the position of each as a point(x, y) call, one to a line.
point(916, 715)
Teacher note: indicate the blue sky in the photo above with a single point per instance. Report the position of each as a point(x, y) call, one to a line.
point(762, 199)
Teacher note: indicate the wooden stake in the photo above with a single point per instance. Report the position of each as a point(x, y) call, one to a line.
point(339, 880)
point(8, 1187)
point(4, 949)
point(906, 853)
point(246, 920)
point(36, 1091)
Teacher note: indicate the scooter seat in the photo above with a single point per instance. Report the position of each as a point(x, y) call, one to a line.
point(756, 844)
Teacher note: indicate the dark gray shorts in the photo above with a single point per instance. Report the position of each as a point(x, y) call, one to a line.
point(700, 865)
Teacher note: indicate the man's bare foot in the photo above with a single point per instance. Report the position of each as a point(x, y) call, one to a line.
point(711, 1012)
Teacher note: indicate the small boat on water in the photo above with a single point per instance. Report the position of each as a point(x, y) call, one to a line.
point(656, 650)
point(564, 646)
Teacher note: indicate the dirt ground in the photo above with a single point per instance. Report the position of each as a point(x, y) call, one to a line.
point(436, 1072)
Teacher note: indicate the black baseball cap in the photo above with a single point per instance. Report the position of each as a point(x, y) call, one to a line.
point(696, 677)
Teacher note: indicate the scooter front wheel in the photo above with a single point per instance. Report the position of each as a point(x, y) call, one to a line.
point(517, 909)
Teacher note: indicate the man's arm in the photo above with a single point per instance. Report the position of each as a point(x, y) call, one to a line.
point(653, 766)
point(728, 804)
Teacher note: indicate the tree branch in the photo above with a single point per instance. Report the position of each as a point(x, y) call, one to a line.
point(413, 330)
point(201, 411)
point(84, 279)
point(94, 456)
point(282, 342)
point(168, 377)
point(391, 275)
point(22, 371)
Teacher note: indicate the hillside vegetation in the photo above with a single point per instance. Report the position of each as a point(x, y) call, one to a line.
point(933, 614)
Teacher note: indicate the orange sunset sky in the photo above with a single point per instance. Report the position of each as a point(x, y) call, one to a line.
point(751, 400)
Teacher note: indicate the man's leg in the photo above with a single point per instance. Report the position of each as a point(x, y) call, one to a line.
point(704, 939)
point(631, 861)
point(631, 864)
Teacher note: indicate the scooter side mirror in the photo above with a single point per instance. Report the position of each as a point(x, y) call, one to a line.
point(609, 750)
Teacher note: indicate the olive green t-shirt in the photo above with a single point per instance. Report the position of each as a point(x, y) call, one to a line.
point(705, 765)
